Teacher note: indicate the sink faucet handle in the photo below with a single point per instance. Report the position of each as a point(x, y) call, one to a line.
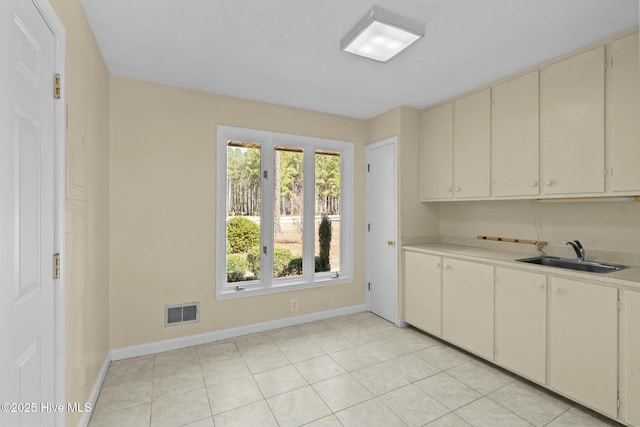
point(577, 247)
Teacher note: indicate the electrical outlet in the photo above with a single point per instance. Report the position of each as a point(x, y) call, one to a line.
point(294, 304)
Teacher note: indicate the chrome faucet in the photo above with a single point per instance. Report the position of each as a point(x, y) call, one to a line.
point(575, 244)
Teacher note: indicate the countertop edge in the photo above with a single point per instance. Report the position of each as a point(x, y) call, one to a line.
point(630, 279)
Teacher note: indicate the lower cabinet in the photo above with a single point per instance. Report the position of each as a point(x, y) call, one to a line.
point(467, 305)
point(583, 343)
point(566, 334)
point(423, 292)
point(521, 322)
point(632, 357)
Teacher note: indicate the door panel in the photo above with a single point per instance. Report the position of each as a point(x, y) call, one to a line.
point(26, 210)
point(632, 357)
point(521, 322)
point(472, 145)
point(572, 124)
point(625, 111)
point(467, 305)
point(437, 153)
point(515, 137)
point(381, 212)
point(583, 352)
point(423, 291)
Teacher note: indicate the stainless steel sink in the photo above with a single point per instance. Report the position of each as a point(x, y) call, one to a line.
point(574, 264)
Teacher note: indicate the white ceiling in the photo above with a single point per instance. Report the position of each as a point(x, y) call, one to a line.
point(287, 51)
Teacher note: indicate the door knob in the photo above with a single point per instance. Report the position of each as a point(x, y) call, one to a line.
point(389, 243)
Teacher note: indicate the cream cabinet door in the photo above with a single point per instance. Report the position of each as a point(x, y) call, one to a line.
point(572, 118)
point(423, 291)
point(625, 115)
point(515, 137)
point(521, 322)
point(583, 344)
point(472, 145)
point(467, 305)
point(632, 357)
point(437, 153)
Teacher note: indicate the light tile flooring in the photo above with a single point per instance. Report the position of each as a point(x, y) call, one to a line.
point(356, 370)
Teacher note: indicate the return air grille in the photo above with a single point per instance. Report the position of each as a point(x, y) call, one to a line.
point(181, 313)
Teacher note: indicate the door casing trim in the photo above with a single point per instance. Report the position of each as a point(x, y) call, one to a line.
point(59, 138)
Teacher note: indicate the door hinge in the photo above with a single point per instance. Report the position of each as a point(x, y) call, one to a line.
point(56, 266)
point(265, 174)
point(368, 227)
point(368, 167)
point(57, 87)
point(619, 303)
point(369, 286)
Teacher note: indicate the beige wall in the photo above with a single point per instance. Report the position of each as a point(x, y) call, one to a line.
point(163, 209)
point(607, 226)
point(417, 222)
point(87, 210)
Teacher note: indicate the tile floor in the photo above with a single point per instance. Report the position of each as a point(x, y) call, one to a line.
point(356, 370)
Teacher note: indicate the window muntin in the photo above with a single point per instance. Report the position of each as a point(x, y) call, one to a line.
point(306, 191)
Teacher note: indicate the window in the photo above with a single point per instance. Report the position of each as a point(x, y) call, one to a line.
point(285, 212)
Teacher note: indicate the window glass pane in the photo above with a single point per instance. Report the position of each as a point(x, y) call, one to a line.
point(288, 204)
point(243, 211)
point(327, 220)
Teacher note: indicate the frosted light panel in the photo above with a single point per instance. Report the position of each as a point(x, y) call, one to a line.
point(381, 42)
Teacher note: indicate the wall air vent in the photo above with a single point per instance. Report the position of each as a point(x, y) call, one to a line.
point(181, 313)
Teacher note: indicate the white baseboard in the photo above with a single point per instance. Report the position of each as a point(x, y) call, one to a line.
point(95, 391)
point(173, 344)
point(401, 323)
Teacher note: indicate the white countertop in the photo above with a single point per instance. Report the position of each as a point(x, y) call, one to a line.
point(628, 278)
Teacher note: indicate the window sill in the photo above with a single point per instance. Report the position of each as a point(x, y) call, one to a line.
point(231, 293)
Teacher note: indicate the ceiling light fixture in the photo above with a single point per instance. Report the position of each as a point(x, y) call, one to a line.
point(381, 35)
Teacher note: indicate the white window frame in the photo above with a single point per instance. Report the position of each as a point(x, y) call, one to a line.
point(309, 279)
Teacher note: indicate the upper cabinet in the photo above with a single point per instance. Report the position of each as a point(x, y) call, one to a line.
point(515, 137)
point(624, 114)
point(572, 102)
point(471, 145)
point(456, 147)
point(437, 153)
point(568, 128)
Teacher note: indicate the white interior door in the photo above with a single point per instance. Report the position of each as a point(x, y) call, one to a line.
point(382, 226)
point(26, 214)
